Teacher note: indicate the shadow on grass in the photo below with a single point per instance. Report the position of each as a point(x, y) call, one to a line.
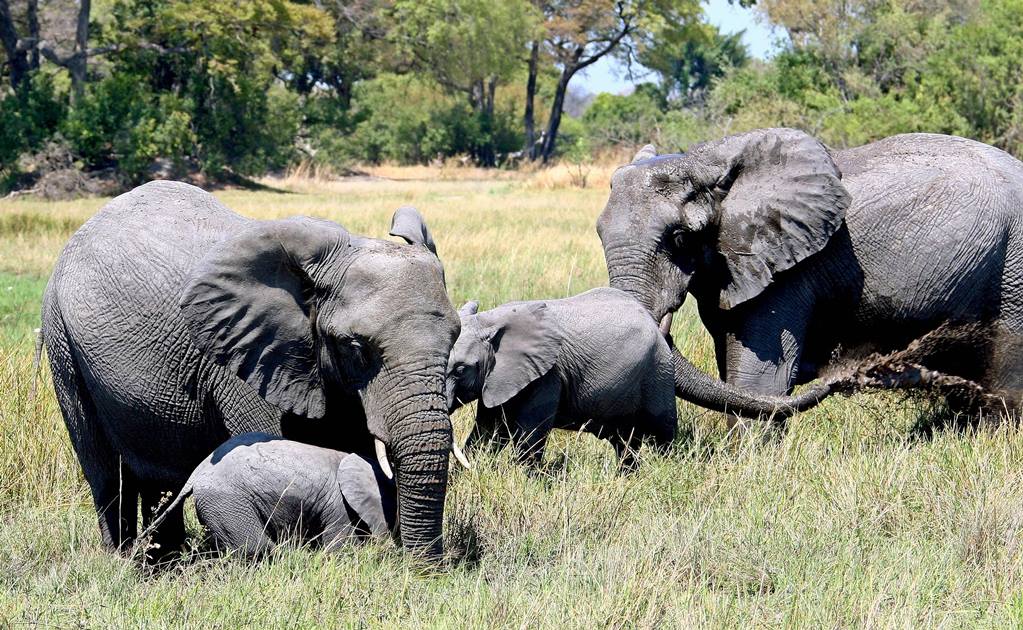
point(948, 414)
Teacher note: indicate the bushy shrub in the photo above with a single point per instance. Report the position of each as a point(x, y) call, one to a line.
point(407, 119)
point(640, 118)
point(27, 118)
point(120, 123)
point(616, 120)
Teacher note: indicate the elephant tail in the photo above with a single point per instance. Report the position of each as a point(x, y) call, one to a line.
point(186, 491)
point(37, 361)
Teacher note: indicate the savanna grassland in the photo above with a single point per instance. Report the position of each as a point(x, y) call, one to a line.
point(863, 513)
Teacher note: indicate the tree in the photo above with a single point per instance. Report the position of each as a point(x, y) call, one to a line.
point(77, 61)
point(690, 60)
point(18, 60)
point(581, 32)
point(467, 46)
point(866, 44)
point(979, 73)
point(356, 50)
point(529, 148)
point(209, 67)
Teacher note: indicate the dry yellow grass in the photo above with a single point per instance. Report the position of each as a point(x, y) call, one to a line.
point(857, 516)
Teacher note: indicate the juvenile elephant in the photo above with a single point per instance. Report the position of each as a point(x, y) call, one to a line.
point(796, 253)
point(256, 491)
point(172, 323)
point(595, 361)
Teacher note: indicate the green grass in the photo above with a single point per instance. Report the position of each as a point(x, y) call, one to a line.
point(852, 517)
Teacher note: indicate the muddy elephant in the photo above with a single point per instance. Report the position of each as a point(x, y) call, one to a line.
point(172, 323)
point(801, 258)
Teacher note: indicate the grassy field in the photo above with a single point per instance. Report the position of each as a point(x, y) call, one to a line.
point(858, 515)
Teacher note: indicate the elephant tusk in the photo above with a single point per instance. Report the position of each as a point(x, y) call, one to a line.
point(459, 455)
point(665, 325)
point(385, 465)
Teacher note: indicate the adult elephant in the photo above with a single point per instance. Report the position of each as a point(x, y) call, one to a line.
point(172, 323)
point(796, 254)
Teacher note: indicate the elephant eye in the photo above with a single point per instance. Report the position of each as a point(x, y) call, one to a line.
point(460, 369)
point(678, 238)
point(354, 348)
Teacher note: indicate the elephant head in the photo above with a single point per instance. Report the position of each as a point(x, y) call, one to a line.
point(305, 312)
point(720, 221)
point(499, 353)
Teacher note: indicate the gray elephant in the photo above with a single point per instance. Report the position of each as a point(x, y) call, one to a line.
point(595, 361)
point(797, 254)
point(172, 323)
point(256, 491)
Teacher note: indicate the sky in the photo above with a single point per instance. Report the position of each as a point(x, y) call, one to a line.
point(608, 76)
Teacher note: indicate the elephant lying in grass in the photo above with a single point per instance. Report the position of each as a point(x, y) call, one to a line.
point(256, 491)
point(595, 362)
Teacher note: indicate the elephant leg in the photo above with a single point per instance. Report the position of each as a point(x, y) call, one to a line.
point(114, 487)
point(1006, 369)
point(627, 442)
point(490, 430)
point(532, 415)
point(169, 537)
point(233, 523)
point(765, 343)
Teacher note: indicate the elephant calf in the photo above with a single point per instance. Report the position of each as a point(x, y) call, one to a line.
point(256, 491)
point(596, 361)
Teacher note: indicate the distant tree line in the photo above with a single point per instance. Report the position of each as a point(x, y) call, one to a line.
point(251, 86)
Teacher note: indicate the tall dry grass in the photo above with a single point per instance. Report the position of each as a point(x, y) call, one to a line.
point(859, 515)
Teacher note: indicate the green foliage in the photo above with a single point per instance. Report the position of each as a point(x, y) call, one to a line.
point(194, 80)
point(979, 75)
point(615, 119)
point(903, 67)
point(406, 119)
point(690, 62)
point(253, 86)
point(468, 47)
point(462, 43)
point(120, 123)
point(27, 118)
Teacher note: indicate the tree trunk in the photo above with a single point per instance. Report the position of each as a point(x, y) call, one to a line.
point(78, 61)
point(489, 150)
point(33, 32)
point(17, 59)
point(529, 146)
point(551, 137)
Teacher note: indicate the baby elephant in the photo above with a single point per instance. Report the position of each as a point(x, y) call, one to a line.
point(596, 362)
point(257, 490)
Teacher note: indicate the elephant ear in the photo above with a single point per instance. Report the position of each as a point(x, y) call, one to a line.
point(526, 345)
point(368, 493)
point(784, 199)
point(408, 224)
point(248, 306)
point(647, 152)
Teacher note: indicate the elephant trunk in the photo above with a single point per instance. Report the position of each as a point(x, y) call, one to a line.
point(695, 386)
point(410, 401)
point(630, 270)
point(421, 473)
